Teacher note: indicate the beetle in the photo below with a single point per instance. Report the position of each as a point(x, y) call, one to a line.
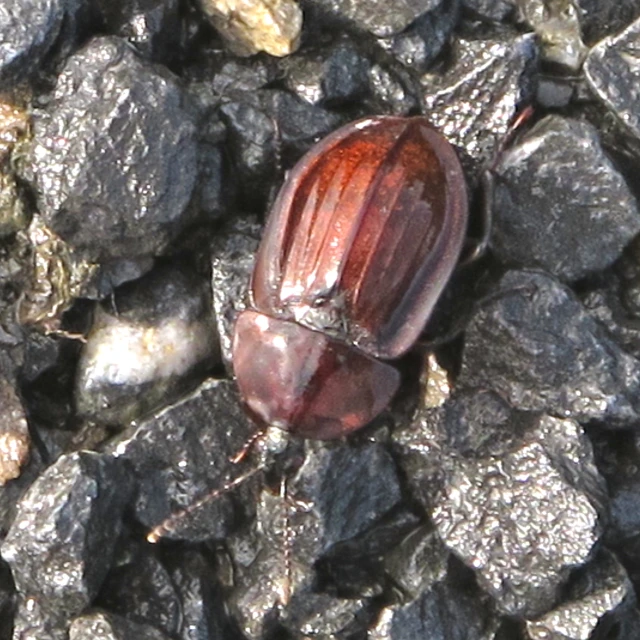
point(359, 245)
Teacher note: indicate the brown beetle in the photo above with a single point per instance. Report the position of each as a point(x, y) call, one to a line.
point(360, 243)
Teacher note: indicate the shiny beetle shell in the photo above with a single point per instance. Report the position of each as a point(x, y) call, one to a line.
point(360, 243)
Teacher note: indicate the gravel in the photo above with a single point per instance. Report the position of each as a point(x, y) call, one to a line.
point(142, 144)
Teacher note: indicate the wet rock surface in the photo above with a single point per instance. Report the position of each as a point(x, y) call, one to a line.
point(140, 151)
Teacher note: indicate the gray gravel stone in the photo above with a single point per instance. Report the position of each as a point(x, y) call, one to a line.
point(108, 626)
point(475, 100)
point(152, 26)
point(184, 452)
point(438, 602)
point(61, 542)
point(233, 254)
point(333, 75)
point(523, 518)
point(559, 203)
point(600, 18)
point(341, 512)
point(139, 587)
point(495, 10)
point(382, 19)
point(28, 30)
point(600, 589)
point(611, 70)
point(533, 342)
point(114, 157)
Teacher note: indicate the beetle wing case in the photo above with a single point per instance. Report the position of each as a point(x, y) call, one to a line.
point(365, 234)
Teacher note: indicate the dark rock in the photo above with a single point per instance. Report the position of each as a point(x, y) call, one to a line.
point(473, 103)
point(34, 620)
point(204, 614)
point(627, 625)
point(6, 602)
point(607, 303)
point(419, 44)
point(559, 203)
point(490, 10)
point(320, 614)
point(267, 131)
point(534, 343)
point(60, 544)
point(299, 125)
point(123, 192)
point(28, 31)
point(12, 492)
point(41, 353)
point(235, 78)
point(153, 343)
point(515, 495)
point(439, 601)
point(618, 459)
point(523, 517)
point(182, 454)
point(350, 488)
point(598, 594)
point(611, 70)
point(108, 626)
point(334, 75)
point(600, 18)
point(233, 254)
point(381, 19)
point(340, 514)
point(138, 587)
point(393, 89)
point(423, 41)
point(152, 26)
point(215, 185)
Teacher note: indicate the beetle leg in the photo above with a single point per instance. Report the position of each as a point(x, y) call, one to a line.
point(477, 247)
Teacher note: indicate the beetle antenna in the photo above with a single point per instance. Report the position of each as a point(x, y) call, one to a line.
point(170, 523)
point(247, 446)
